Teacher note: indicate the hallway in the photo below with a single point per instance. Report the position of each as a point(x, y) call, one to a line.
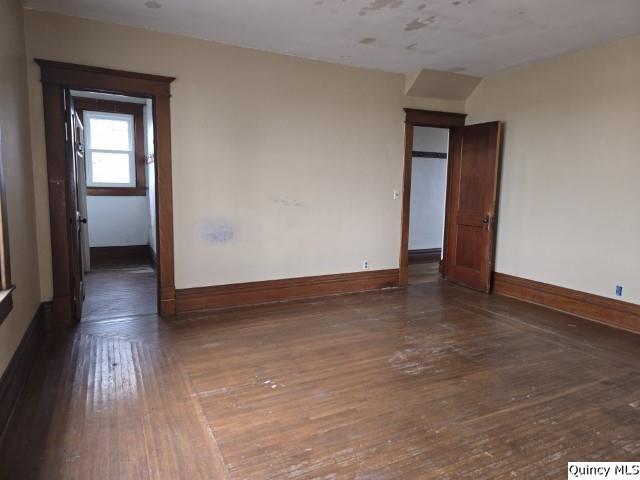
point(114, 291)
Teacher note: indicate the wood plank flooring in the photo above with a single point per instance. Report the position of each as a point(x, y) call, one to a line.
point(424, 273)
point(119, 289)
point(429, 382)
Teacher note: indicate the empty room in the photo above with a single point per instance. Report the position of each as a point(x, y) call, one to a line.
point(319, 239)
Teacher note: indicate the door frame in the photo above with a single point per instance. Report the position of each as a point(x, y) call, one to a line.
point(426, 118)
point(56, 77)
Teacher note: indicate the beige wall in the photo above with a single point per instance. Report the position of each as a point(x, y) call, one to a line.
point(570, 199)
point(285, 167)
point(282, 167)
point(14, 125)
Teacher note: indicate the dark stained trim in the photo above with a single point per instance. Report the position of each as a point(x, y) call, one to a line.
point(56, 77)
point(432, 118)
point(117, 191)
point(6, 304)
point(136, 109)
point(253, 293)
point(137, 254)
point(5, 257)
point(106, 80)
point(422, 118)
point(605, 310)
point(109, 106)
point(425, 255)
point(15, 376)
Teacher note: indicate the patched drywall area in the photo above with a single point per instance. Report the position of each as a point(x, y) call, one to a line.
point(282, 167)
point(428, 188)
point(568, 210)
point(15, 152)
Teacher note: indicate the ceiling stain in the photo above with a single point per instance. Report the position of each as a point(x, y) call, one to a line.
point(456, 3)
point(419, 23)
point(319, 2)
point(422, 7)
point(367, 41)
point(411, 47)
point(379, 5)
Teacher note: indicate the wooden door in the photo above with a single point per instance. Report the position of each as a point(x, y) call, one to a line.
point(74, 155)
point(81, 176)
point(471, 204)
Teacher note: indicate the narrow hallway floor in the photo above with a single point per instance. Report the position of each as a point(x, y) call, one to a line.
point(119, 291)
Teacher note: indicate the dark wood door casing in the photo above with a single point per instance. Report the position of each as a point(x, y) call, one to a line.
point(56, 77)
point(422, 118)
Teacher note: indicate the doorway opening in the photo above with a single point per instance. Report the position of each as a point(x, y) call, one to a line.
point(468, 232)
point(428, 197)
point(94, 118)
point(116, 200)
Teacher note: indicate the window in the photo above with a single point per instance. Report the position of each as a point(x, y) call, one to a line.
point(114, 146)
point(6, 287)
point(110, 150)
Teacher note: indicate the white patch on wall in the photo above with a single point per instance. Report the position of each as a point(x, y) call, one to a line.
point(216, 232)
point(287, 202)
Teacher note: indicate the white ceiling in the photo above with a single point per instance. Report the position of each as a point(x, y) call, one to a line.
point(475, 37)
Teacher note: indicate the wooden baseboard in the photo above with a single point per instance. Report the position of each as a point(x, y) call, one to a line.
point(425, 255)
point(605, 310)
point(105, 256)
point(252, 293)
point(15, 376)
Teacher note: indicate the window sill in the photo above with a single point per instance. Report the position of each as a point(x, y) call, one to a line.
point(117, 191)
point(6, 303)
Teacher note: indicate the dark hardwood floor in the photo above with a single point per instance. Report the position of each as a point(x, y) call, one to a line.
point(434, 382)
point(424, 273)
point(119, 289)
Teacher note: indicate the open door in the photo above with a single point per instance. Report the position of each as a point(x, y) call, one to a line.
point(81, 176)
point(75, 155)
point(472, 204)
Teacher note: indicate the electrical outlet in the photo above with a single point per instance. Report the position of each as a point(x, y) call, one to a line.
point(396, 194)
point(618, 290)
point(365, 264)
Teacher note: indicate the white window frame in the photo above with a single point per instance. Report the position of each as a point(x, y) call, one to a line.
point(88, 115)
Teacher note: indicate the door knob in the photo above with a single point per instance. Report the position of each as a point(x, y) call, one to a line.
point(82, 220)
point(486, 221)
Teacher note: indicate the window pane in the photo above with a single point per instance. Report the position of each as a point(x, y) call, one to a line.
point(109, 134)
point(110, 168)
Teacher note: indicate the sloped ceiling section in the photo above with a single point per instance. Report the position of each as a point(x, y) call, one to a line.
point(442, 85)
